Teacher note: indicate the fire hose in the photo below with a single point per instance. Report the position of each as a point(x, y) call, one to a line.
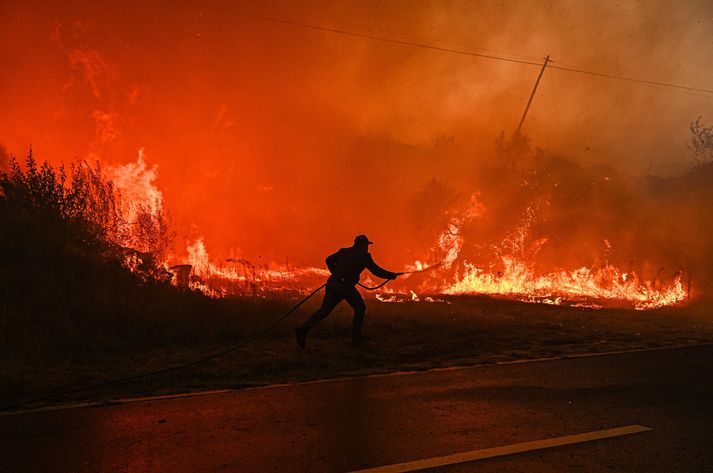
point(197, 362)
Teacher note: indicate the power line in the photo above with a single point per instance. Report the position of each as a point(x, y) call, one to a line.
point(632, 79)
point(390, 40)
point(420, 38)
point(474, 54)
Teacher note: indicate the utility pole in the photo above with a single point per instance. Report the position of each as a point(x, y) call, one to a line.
point(537, 82)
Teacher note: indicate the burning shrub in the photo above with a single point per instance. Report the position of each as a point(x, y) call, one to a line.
point(68, 279)
point(432, 209)
point(543, 227)
point(43, 212)
point(145, 227)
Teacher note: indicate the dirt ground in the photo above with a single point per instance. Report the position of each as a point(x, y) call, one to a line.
point(402, 336)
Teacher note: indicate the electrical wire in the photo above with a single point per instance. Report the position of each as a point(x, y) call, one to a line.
point(388, 40)
point(631, 79)
point(475, 54)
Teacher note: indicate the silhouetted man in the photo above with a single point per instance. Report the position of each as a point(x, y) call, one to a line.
point(345, 265)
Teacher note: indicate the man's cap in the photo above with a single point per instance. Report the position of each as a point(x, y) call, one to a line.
point(362, 239)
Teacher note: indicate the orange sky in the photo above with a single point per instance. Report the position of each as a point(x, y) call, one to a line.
point(276, 141)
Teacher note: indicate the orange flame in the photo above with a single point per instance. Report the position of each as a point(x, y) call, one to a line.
point(581, 287)
point(136, 183)
point(517, 280)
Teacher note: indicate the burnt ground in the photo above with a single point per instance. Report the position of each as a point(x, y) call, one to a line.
point(403, 336)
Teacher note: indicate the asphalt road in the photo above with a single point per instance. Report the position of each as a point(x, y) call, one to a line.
point(368, 422)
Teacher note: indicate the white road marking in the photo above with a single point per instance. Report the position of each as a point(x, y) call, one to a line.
point(506, 450)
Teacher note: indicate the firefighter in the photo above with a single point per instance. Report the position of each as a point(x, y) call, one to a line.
point(345, 265)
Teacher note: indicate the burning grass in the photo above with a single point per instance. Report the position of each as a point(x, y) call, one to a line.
point(581, 286)
point(527, 246)
point(548, 231)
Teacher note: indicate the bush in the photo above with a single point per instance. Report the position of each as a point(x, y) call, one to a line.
point(42, 215)
point(67, 279)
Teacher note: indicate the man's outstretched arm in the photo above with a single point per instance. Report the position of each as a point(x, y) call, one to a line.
point(378, 271)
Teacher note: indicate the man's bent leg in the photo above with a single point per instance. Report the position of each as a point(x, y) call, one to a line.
point(355, 300)
point(330, 301)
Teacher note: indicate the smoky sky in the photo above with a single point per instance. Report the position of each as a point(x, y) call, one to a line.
point(276, 141)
